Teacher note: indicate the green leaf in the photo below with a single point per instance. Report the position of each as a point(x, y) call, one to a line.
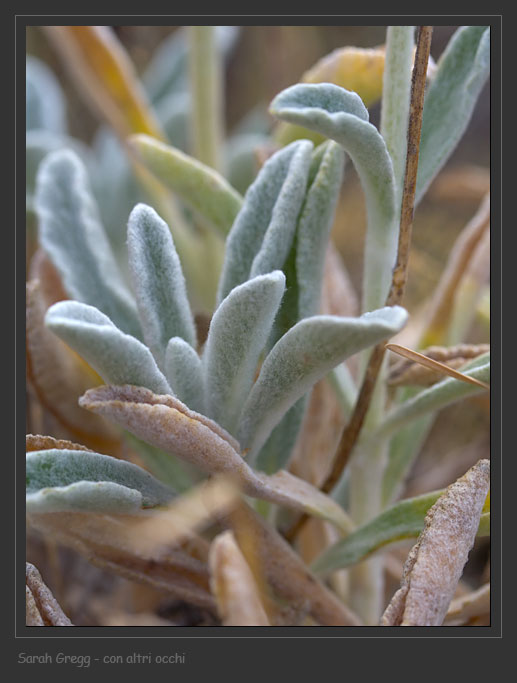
point(117, 357)
point(184, 373)
point(403, 520)
point(44, 101)
point(64, 479)
point(238, 333)
point(304, 355)
point(199, 186)
point(158, 282)
point(276, 452)
point(434, 398)
point(72, 235)
point(261, 236)
point(405, 446)
point(314, 225)
point(341, 116)
point(461, 74)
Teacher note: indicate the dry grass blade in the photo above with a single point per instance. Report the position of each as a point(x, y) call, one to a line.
point(435, 564)
point(459, 259)
point(464, 609)
point(42, 609)
point(233, 585)
point(406, 372)
point(434, 364)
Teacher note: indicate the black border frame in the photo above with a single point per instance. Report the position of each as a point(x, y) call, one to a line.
point(28, 638)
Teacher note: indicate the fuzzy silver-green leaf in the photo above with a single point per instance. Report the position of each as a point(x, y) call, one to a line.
point(238, 333)
point(118, 357)
point(57, 478)
point(341, 116)
point(184, 373)
point(72, 235)
point(462, 71)
point(158, 282)
point(304, 355)
point(262, 234)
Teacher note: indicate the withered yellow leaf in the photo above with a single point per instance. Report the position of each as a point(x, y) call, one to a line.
point(102, 69)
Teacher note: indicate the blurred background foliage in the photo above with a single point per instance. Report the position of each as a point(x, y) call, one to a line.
point(267, 59)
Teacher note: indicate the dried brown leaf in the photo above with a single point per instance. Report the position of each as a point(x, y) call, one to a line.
point(42, 609)
point(435, 563)
point(319, 435)
point(286, 572)
point(43, 270)
point(102, 540)
point(160, 547)
point(165, 422)
point(232, 582)
point(32, 615)
point(59, 376)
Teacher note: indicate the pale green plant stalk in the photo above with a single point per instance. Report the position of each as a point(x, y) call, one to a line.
point(206, 83)
point(395, 99)
point(205, 66)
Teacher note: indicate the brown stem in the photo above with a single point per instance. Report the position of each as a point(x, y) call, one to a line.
point(352, 430)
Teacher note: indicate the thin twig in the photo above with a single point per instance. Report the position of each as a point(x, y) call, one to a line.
point(399, 278)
